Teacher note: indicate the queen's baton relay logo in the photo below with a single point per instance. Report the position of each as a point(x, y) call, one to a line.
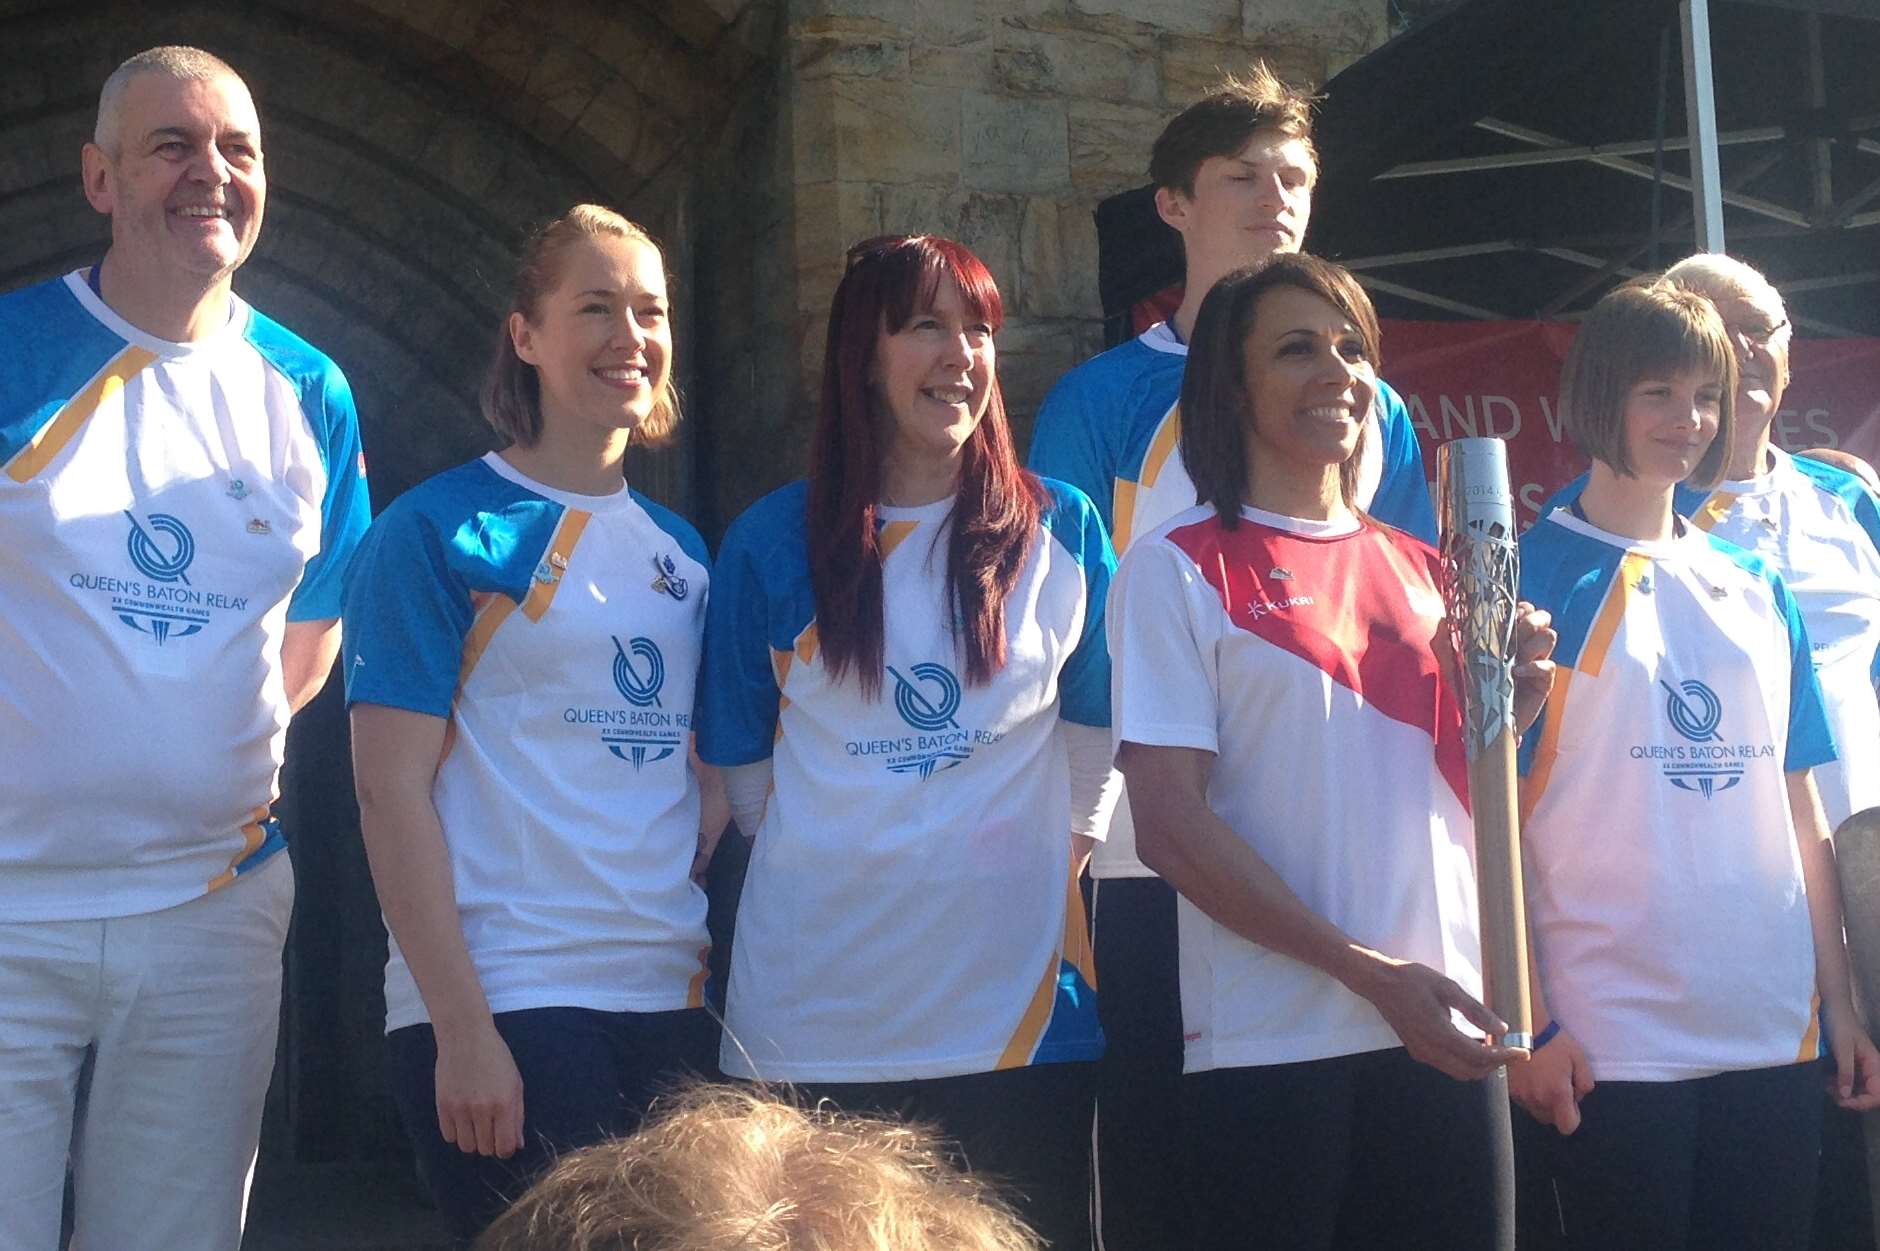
point(161, 603)
point(644, 732)
point(927, 698)
point(1704, 763)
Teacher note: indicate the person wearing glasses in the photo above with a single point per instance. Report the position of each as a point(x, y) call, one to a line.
point(1689, 963)
point(1816, 523)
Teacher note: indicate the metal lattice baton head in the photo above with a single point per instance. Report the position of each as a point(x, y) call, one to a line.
point(1481, 579)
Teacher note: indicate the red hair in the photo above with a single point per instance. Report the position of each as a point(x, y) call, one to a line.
point(995, 508)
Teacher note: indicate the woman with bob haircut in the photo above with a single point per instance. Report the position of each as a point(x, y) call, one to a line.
point(1682, 899)
point(523, 635)
point(1293, 752)
point(718, 1168)
point(906, 682)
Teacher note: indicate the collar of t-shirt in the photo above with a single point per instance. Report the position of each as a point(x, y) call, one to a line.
point(87, 294)
point(1162, 338)
point(1781, 465)
point(1574, 518)
point(1304, 527)
point(612, 502)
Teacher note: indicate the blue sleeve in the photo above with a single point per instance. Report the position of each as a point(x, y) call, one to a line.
point(739, 698)
point(1084, 681)
point(1403, 494)
point(346, 509)
point(407, 614)
point(1068, 443)
point(1810, 741)
point(682, 531)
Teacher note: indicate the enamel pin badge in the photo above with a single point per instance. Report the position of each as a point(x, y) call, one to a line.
point(667, 580)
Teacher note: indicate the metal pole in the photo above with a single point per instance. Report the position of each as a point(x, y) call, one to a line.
point(1700, 107)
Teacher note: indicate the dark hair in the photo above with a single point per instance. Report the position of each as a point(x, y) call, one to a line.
point(1647, 329)
point(1221, 122)
point(995, 510)
point(512, 391)
point(1216, 402)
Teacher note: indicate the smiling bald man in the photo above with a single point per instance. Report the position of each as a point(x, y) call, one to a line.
point(180, 490)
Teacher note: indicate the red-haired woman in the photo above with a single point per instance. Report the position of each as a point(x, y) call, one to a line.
point(905, 670)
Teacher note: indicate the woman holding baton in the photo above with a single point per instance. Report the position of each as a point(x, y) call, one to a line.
point(1292, 743)
point(1685, 913)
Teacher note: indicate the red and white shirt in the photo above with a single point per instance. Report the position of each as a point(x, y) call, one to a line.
point(1300, 653)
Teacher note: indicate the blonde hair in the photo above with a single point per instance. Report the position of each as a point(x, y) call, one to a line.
point(722, 1168)
point(178, 62)
point(1645, 329)
point(512, 391)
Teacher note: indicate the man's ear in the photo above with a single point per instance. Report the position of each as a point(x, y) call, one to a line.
point(1172, 205)
point(95, 167)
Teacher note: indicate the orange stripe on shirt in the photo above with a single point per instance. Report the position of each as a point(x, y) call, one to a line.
point(560, 552)
point(45, 446)
point(1161, 447)
point(1598, 642)
point(1811, 1037)
point(1074, 949)
point(893, 534)
point(695, 989)
point(1715, 509)
point(492, 608)
point(252, 837)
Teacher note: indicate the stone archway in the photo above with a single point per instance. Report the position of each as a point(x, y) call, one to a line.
point(410, 145)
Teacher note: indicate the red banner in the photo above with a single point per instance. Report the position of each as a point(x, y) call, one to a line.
point(1502, 378)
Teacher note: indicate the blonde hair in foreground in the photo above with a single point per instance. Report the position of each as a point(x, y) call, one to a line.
point(719, 1168)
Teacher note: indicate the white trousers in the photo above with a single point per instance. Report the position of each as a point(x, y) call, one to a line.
point(179, 1010)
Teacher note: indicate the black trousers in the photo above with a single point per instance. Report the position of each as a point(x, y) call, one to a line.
point(1140, 1205)
point(586, 1076)
point(1722, 1161)
point(1363, 1151)
point(1026, 1130)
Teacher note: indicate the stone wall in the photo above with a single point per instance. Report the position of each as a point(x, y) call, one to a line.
point(1002, 123)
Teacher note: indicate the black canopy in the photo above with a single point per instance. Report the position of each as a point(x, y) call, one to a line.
point(1498, 160)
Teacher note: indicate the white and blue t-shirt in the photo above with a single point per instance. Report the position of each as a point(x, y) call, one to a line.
point(1819, 527)
point(1664, 884)
point(165, 510)
point(560, 635)
point(909, 910)
point(1112, 428)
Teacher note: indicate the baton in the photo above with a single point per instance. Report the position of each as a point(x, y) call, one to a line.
point(1481, 578)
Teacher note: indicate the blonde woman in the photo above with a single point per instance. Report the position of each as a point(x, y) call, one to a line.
point(523, 635)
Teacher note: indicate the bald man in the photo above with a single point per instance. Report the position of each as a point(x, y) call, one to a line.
point(180, 489)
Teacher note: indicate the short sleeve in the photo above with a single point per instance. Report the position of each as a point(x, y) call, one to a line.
point(1403, 493)
point(407, 615)
point(1068, 443)
point(739, 696)
point(1084, 681)
point(1163, 673)
point(1810, 741)
point(346, 508)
